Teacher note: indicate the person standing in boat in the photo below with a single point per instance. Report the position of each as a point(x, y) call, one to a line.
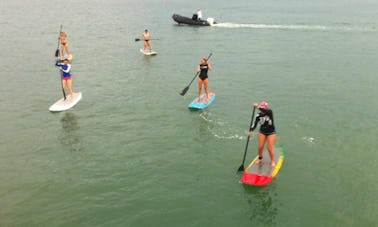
point(199, 14)
point(146, 37)
point(64, 49)
point(203, 80)
point(65, 68)
point(267, 133)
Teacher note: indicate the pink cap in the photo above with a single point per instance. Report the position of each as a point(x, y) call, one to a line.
point(263, 105)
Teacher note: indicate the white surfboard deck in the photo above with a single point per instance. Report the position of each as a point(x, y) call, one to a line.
point(62, 105)
point(148, 53)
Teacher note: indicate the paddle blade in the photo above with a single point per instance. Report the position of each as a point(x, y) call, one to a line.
point(184, 91)
point(57, 53)
point(241, 168)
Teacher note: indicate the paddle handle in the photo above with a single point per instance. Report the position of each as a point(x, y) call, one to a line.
point(195, 76)
point(241, 168)
point(138, 39)
point(56, 55)
point(64, 93)
point(57, 48)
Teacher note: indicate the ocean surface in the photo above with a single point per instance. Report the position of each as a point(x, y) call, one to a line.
point(132, 154)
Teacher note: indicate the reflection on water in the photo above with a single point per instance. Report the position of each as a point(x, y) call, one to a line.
point(147, 59)
point(262, 203)
point(70, 137)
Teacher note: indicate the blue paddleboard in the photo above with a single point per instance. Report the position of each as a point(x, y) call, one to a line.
point(203, 103)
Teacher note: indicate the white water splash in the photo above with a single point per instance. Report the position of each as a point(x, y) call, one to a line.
point(218, 128)
point(309, 140)
point(225, 136)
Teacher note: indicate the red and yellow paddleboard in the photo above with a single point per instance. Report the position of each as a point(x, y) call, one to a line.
point(262, 174)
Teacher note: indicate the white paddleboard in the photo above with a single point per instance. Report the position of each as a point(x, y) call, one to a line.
point(62, 104)
point(148, 53)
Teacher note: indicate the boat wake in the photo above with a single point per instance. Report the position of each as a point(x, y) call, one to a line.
point(272, 26)
point(338, 27)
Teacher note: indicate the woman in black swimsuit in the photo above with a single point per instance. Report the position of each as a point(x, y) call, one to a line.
point(203, 78)
point(267, 131)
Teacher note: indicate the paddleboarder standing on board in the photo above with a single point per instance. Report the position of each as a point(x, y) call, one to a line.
point(63, 45)
point(146, 38)
point(65, 68)
point(267, 133)
point(202, 69)
point(199, 14)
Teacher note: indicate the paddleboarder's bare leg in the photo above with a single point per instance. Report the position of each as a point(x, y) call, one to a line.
point(206, 83)
point(67, 50)
point(64, 51)
point(149, 46)
point(199, 89)
point(271, 139)
point(260, 146)
point(64, 85)
point(146, 45)
point(69, 83)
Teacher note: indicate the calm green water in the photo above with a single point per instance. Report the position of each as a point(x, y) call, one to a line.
point(131, 153)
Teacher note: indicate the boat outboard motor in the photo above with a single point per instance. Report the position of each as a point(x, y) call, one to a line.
point(210, 20)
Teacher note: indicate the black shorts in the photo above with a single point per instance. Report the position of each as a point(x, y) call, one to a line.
point(268, 133)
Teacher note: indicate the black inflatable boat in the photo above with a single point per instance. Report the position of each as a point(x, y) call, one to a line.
point(192, 21)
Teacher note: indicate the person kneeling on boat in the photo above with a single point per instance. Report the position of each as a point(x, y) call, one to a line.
point(267, 131)
point(65, 68)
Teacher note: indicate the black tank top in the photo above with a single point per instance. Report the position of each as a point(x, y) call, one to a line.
point(204, 68)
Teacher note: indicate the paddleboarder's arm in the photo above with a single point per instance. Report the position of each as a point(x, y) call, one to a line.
point(66, 69)
point(209, 65)
point(254, 125)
